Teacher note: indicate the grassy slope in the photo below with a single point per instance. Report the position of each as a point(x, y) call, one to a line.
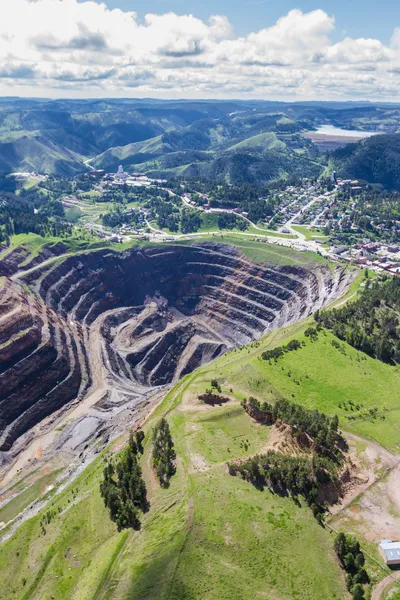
point(257, 251)
point(269, 253)
point(28, 494)
point(323, 377)
point(35, 243)
point(207, 536)
point(310, 234)
point(39, 154)
point(266, 140)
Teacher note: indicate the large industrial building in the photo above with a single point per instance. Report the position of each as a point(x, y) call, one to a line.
point(391, 552)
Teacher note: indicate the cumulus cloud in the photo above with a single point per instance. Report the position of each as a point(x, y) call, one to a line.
point(82, 45)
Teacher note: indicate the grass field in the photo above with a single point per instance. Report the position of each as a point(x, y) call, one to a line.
point(35, 243)
point(265, 252)
point(210, 225)
point(73, 214)
point(207, 536)
point(311, 234)
point(322, 376)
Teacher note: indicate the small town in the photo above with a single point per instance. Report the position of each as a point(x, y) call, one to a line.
point(305, 216)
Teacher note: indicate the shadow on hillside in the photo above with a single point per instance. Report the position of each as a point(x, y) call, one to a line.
point(158, 577)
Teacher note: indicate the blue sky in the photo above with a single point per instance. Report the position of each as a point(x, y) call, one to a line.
point(336, 50)
point(355, 18)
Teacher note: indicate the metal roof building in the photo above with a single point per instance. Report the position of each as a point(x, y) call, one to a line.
point(390, 551)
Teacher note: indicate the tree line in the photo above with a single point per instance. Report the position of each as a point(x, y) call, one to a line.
point(370, 323)
point(352, 559)
point(322, 429)
point(279, 351)
point(284, 474)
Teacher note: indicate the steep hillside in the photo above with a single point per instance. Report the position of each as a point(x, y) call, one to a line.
point(375, 159)
point(40, 154)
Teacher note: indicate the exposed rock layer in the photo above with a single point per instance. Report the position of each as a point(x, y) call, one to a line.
point(151, 315)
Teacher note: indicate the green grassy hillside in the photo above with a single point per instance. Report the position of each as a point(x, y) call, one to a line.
point(39, 154)
point(210, 535)
point(266, 140)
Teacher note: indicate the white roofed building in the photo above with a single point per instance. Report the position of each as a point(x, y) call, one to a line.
point(390, 551)
point(121, 173)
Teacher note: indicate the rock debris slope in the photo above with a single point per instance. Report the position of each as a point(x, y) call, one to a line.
point(124, 323)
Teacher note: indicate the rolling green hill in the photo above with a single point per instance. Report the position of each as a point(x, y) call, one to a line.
point(170, 138)
point(33, 152)
point(206, 150)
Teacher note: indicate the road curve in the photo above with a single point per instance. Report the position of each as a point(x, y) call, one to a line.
point(377, 592)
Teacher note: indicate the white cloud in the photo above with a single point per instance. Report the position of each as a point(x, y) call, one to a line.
point(70, 47)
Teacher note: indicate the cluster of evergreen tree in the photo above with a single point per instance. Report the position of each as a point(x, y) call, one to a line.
point(352, 559)
point(375, 159)
point(31, 213)
point(8, 183)
point(253, 198)
point(123, 489)
point(370, 323)
point(163, 452)
point(323, 430)
point(119, 216)
point(58, 185)
point(284, 474)
point(166, 211)
point(126, 193)
point(190, 220)
point(232, 221)
point(276, 353)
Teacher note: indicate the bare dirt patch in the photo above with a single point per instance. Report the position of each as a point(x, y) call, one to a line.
point(198, 463)
point(366, 464)
point(371, 504)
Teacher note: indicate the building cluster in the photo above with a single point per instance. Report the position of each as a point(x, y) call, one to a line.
point(299, 204)
point(121, 178)
point(26, 176)
point(379, 256)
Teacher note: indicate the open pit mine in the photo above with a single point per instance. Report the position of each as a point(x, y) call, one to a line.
point(88, 342)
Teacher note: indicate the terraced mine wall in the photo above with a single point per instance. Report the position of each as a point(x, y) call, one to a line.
point(128, 322)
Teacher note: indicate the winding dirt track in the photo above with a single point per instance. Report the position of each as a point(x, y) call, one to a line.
point(377, 592)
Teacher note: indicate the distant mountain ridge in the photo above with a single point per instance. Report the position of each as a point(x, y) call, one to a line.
point(232, 140)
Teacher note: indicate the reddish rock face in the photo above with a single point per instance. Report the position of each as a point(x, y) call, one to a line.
point(137, 319)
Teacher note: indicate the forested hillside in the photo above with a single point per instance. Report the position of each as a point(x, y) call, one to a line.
point(370, 323)
point(376, 160)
